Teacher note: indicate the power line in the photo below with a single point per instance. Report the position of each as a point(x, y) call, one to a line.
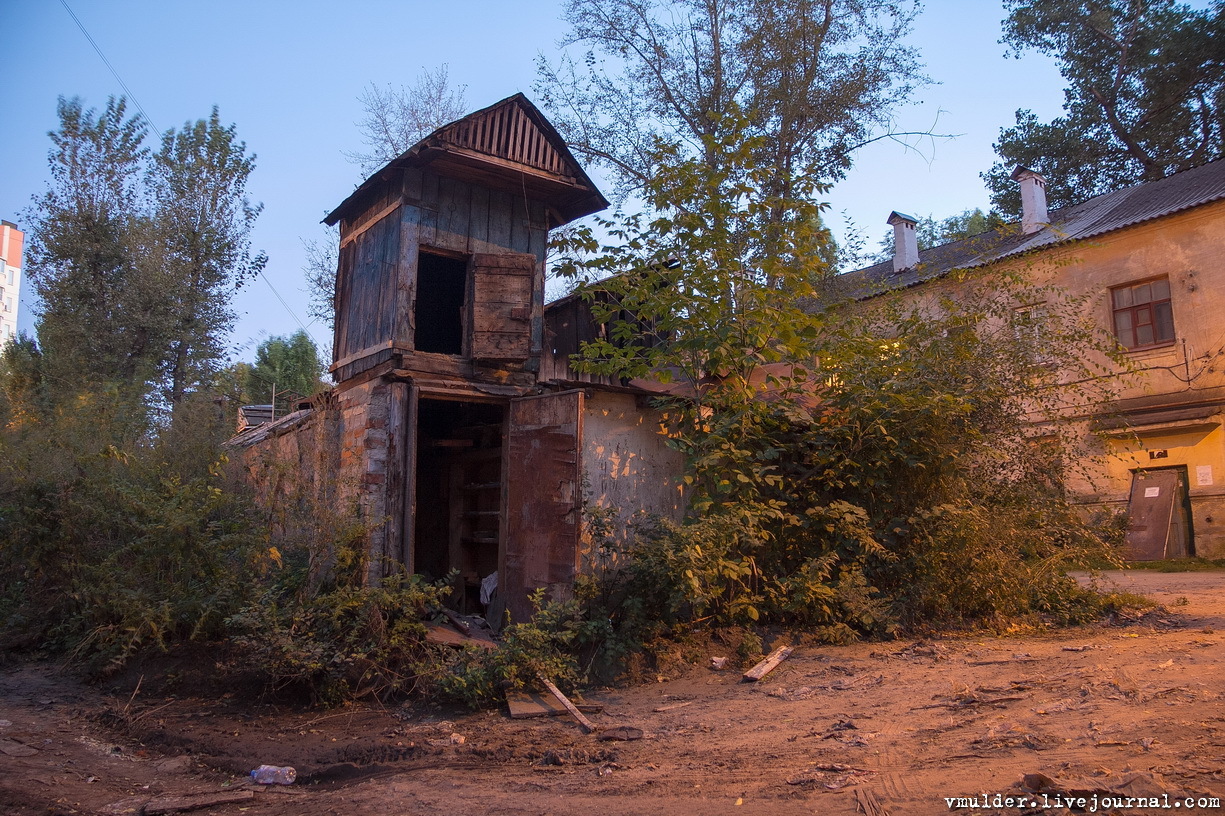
point(286, 305)
point(126, 90)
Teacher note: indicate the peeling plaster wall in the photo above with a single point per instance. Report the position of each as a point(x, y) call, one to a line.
point(627, 465)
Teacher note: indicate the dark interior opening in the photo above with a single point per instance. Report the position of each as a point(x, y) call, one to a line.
point(459, 495)
point(439, 311)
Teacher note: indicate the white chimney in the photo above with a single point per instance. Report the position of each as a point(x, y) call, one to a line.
point(905, 241)
point(1033, 200)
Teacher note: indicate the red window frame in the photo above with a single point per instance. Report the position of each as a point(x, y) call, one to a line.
point(1142, 314)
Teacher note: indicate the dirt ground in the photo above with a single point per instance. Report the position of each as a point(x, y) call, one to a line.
point(884, 728)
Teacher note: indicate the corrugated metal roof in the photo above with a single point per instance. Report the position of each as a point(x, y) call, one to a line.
point(1097, 216)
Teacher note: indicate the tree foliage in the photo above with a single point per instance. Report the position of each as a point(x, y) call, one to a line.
point(322, 258)
point(851, 465)
point(290, 365)
point(96, 302)
point(1146, 87)
point(135, 255)
point(813, 80)
point(932, 233)
point(202, 222)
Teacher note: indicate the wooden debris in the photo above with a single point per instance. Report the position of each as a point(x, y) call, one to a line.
point(582, 721)
point(768, 665)
point(867, 803)
point(458, 622)
point(525, 705)
point(12, 747)
point(445, 635)
point(133, 806)
point(673, 706)
point(966, 702)
point(622, 733)
point(195, 801)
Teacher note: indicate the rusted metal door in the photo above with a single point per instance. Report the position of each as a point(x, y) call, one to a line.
point(501, 306)
point(542, 513)
point(1155, 497)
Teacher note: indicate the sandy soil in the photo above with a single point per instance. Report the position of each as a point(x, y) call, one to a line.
point(872, 728)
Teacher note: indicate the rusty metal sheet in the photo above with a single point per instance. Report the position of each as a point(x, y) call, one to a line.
point(1149, 513)
point(542, 498)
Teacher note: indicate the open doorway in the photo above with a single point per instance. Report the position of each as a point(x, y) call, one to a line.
point(1159, 515)
point(459, 495)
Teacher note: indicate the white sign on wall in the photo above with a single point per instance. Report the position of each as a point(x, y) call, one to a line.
point(1203, 474)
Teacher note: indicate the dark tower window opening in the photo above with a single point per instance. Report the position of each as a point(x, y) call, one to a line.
point(439, 311)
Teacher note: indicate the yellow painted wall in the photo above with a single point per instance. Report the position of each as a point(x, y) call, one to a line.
point(1187, 248)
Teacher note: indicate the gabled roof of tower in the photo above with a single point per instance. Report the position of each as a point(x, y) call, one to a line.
point(509, 145)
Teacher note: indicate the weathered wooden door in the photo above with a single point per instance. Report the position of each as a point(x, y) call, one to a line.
point(501, 306)
point(543, 506)
point(1155, 498)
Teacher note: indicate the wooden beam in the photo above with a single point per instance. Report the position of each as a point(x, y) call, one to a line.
point(583, 722)
point(768, 665)
point(373, 219)
point(524, 705)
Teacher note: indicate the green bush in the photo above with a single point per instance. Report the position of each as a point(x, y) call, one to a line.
point(545, 646)
point(114, 540)
point(346, 642)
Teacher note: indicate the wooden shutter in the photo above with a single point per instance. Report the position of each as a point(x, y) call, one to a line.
point(501, 306)
point(542, 514)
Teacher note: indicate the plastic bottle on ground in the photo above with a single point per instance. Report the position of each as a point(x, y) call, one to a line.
point(274, 775)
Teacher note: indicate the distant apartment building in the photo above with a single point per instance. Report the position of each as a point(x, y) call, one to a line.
point(11, 243)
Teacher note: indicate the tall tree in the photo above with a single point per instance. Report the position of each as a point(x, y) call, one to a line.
point(203, 221)
point(1146, 89)
point(135, 256)
point(815, 79)
point(395, 119)
point(99, 317)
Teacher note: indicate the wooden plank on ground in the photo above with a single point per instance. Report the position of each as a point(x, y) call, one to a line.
point(524, 705)
point(445, 635)
point(195, 801)
point(582, 721)
point(867, 803)
point(768, 665)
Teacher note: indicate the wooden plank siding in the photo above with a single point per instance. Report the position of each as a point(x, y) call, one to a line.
point(377, 276)
point(366, 288)
point(508, 133)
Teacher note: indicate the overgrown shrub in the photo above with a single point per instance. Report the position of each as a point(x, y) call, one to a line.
point(114, 540)
point(546, 646)
point(343, 643)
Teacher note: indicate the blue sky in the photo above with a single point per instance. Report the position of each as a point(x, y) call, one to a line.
point(288, 74)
